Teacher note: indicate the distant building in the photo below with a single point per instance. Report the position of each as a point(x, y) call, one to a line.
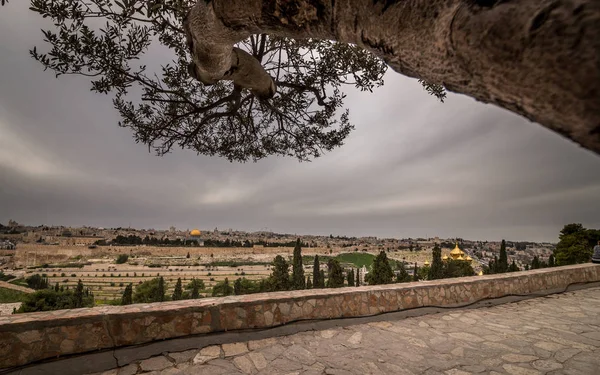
point(7, 245)
point(195, 236)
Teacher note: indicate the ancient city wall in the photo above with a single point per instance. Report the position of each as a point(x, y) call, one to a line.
point(35, 254)
point(27, 338)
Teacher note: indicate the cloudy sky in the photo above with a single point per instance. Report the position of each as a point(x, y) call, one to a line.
point(413, 166)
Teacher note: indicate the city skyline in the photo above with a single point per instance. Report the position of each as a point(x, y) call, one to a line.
point(413, 166)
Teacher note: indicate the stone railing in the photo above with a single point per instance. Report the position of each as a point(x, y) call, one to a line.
point(27, 338)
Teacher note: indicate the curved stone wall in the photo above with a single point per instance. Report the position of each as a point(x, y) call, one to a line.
point(27, 338)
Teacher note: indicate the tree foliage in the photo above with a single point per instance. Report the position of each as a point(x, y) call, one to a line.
point(336, 274)
point(37, 282)
point(575, 244)
point(402, 275)
point(178, 291)
point(350, 277)
point(316, 273)
point(436, 271)
point(150, 291)
point(107, 41)
point(122, 258)
point(222, 289)
point(51, 299)
point(127, 298)
point(298, 281)
point(281, 274)
point(381, 271)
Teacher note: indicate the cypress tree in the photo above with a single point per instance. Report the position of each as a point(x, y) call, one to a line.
point(308, 283)
point(281, 274)
point(56, 287)
point(322, 279)
point(178, 291)
point(416, 273)
point(195, 289)
point(357, 283)
point(513, 267)
point(336, 274)
point(503, 265)
point(79, 295)
point(436, 271)
point(160, 291)
point(351, 277)
point(316, 273)
point(127, 298)
point(551, 262)
point(298, 281)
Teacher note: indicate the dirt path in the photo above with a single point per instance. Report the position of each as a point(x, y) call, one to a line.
point(4, 284)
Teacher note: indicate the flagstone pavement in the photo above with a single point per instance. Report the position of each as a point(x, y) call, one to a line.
point(557, 334)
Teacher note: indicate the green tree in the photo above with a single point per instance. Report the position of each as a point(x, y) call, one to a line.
point(245, 286)
point(381, 271)
point(298, 281)
point(150, 291)
point(551, 261)
point(357, 283)
point(416, 273)
point(49, 299)
point(178, 291)
point(222, 288)
point(195, 286)
point(281, 274)
point(436, 271)
point(574, 245)
point(351, 277)
point(79, 294)
point(336, 274)
point(127, 298)
point(188, 255)
point(37, 282)
point(316, 273)
point(308, 283)
point(457, 268)
point(122, 258)
point(513, 267)
point(322, 279)
point(535, 263)
point(402, 275)
point(503, 260)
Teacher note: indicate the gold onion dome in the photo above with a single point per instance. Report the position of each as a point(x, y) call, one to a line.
point(468, 258)
point(195, 232)
point(460, 258)
point(456, 251)
point(426, 263)
point(445, 257)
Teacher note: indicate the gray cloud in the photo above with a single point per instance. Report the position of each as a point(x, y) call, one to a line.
point(413, 167)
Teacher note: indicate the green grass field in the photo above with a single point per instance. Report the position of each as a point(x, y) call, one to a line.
point(9, 295)
point(358, 259)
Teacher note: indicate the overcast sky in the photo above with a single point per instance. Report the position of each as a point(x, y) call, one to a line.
point(413, 166)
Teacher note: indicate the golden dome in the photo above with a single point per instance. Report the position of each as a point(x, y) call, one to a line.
point(195, 232)
point(460, 257)
point(456, 250)
point(426, 263)
point(445, 257)
point(480, 273)
point(468, 258)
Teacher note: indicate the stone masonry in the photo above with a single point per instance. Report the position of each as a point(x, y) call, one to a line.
point(27, 338)
point(555, 335)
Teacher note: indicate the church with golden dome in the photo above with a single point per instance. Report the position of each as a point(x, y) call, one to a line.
point(458, 254)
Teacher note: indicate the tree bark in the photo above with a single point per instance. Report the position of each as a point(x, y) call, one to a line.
point(537, 58)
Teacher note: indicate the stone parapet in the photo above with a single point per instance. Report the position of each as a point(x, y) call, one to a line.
point(27, 338)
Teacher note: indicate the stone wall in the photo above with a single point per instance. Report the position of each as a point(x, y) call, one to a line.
point(27, 338)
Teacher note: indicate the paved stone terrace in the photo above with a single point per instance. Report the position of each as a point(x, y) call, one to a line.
point(558, 334)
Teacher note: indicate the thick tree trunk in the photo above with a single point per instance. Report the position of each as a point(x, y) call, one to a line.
point(538, 58)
